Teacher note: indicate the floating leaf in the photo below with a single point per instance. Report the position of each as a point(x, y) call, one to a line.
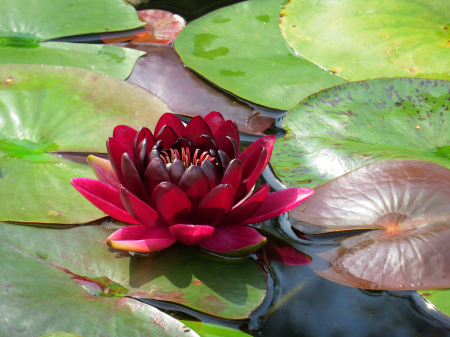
point(62, 334)
point(48, 108)
point(39, 299)
point(379, 39)
point(407, 202)
point(219, 287)
point(162, 27)
point(439, 297)
point(26, 23)
point(339, 129)
point(162, 73)
point(241, 49)
point(213, 330)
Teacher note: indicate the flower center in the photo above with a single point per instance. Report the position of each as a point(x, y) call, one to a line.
point(188, 159)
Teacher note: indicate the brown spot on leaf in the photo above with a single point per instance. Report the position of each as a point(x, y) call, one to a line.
point(9, 81)
point(197, 282)
point(427, 294)
point(173, 296)
point(212, 304)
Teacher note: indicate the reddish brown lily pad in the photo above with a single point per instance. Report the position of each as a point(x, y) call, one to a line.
point(162, 73)
point(162, 27)
point(407, 202)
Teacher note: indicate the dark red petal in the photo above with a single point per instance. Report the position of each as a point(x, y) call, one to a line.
point(211, 173)
point(257, 169)
point(168, 136)
point(205, 143)
point(138, 209)
point(141, 239)
point(171, 203)
point(253, 152)
point(234, 238)
point(103, 197)
point(103, 171)
point(115, 152)
point(230, 148)
point(172, 120)
point(132, 178)
point(280, 202)
point(214, 206)
point(191, 234)
point(244, 211)
point(214, 120)
point(176, 171)
point(195, 128)
point(194, 184)
point(229, 128)
point(233, 174)
point(141, 156)
point(224, 159)
point(125, 135)
point(144, 133)
point(155, 173)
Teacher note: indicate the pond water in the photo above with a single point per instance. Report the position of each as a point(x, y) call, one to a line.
point(299, 302)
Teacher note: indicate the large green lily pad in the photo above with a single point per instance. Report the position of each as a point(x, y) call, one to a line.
point(241, 49)
point(406, 203)
point(220, 287)
point(344, 127)
point(214, 330)
point(39, 299)
point(26, 23)
point(371, 39)
point(49, 108)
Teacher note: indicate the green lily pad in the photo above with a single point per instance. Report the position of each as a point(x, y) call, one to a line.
point(213, 330)
point(376, 39)
point(342, 128)
point(24, 24)
point(224, 288)
point(50, 108)
point(405, 203)
point(61, 334)
point(40, 299)
point(439, 297)
point(241, 49)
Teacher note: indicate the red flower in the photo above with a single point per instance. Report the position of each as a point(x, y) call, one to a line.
point(187, 184)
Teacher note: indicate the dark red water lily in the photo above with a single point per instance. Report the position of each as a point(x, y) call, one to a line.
point(188, 183)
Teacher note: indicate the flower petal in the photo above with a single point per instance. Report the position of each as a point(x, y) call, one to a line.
point(138, 209)
point(125, 135)
point(280, 202)
point(176, 171)
point(253, 152)
point(230, 148)
point(257, 169)
point(234, 240)
point(104, 197)
point(191, 234)
point(167, 135)
point(229, 128)
point(115, 152)
point(172, 120)
point(103, 171)
point(144, 133)
point(171, 203)
point(195, 128)
point(205, 143)
point(214, 120)
point(132, 178)
point(211, 173)
point(214, 206)
point(233, 174)
point(155, 173)
point(141, 239)
point(244, 211)
point(194, 184)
